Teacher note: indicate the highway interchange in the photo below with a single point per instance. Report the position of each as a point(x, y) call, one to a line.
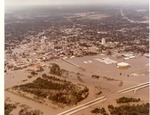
point(103, 98)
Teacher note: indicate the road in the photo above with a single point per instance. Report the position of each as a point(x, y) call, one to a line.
point(132, 21)
point(83, 106)
point(103, 98)
point(46, 110)
point(134, 88)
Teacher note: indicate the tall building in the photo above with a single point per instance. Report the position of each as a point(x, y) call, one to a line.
point(103, 42)
point(43, 42)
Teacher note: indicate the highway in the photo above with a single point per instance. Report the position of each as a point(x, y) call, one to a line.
point(76, 109)
point(132, 21)
point(83, 106)
point(103, 98)
point(134, 88)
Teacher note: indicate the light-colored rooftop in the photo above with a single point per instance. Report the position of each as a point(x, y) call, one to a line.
point(122, 64)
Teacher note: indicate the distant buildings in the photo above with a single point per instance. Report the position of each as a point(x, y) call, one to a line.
point(51, 45)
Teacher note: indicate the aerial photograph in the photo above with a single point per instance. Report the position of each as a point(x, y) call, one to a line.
point(76, 57)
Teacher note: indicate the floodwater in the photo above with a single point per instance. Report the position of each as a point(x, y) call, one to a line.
point(108, 88)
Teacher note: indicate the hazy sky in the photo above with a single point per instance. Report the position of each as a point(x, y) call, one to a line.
point(57, 2)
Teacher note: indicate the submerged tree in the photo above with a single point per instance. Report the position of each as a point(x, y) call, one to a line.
point(55, 69)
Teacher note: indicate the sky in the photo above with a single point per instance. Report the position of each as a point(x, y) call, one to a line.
point(62, 2)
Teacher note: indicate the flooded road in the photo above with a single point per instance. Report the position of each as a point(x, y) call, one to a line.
point(94, 67)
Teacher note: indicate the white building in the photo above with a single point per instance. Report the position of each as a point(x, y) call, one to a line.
point(123, 65)
point(44, 40)
point(103, 42)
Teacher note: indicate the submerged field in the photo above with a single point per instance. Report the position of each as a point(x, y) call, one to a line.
point(56, 90)
point(74, 86)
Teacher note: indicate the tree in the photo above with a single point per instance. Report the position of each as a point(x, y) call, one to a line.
point(109, 52)
point(110, 107)
point(40, 69)
point(55, 69)
point(33, 73)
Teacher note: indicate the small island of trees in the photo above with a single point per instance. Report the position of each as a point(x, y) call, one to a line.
point(57, 90)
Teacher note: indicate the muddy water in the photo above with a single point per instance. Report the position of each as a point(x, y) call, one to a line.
point(138, 65)
point(33, 104)
point(143, 94)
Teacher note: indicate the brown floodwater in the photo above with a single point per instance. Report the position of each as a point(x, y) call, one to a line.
point(108, 88)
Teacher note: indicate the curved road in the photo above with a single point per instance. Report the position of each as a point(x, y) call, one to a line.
point(132, 21)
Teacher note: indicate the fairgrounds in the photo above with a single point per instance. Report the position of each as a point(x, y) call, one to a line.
point(106, 66)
